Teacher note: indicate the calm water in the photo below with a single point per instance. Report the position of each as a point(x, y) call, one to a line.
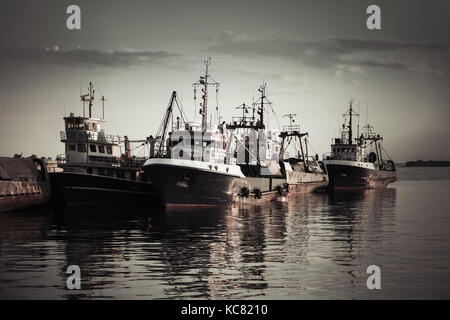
point(311, 246)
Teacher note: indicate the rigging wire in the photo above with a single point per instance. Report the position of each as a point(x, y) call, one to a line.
point(276, 117)
point(385, 151)
point(217, 104)
point(98, 87)
point(195, 104)
point(287, 146)
point(307, 141)
point(180, 109)
point(251, 154)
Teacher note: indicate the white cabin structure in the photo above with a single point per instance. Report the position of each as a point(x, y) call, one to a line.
point(89, 150)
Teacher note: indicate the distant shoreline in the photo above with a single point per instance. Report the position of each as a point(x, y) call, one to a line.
point(429, 163)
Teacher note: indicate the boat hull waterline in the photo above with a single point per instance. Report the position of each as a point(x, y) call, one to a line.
point(196, 183)
point(345, 176)
point(78, 189)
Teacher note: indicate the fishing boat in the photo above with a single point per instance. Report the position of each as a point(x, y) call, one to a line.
point(217, 163)
point(94, 170)
point(306, 173)
point(361, 162)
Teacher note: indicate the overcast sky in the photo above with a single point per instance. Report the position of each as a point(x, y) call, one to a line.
point(314, 56)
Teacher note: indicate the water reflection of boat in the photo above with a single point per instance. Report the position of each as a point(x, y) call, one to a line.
point(179, 254)
point(222, 249)
point(24, 225)
point(311, 246)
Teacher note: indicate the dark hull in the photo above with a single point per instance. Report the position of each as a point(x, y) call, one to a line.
point(352, 177)
point(186, 186)
point(72, 189)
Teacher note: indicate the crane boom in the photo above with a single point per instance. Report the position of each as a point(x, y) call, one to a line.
point(162, 131)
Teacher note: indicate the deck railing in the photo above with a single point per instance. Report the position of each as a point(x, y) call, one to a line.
point(76, 135)
point(291, 128)
point(334, 156)
point(64, 159)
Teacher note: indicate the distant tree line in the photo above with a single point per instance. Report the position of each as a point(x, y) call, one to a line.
point(429, 163)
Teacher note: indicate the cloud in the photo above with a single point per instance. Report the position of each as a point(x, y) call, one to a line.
point(292, 79)
point(378, 64)
point(335, 52)
point(356, 44)
point(87, 57)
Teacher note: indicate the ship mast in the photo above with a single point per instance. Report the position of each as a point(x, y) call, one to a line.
point(350, 114)
point(88, 98)
point(103, 107)
point(204, 81)
point(291, 117)
point(91, 98)
point(260, 108)
point(350, 122)
point(262, 89)
point(205, 96)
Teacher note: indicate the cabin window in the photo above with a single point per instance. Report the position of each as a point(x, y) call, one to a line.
point(109, 150)
point(81, 147)
point(71, 147)
point(101, 149)
point(92, 148)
